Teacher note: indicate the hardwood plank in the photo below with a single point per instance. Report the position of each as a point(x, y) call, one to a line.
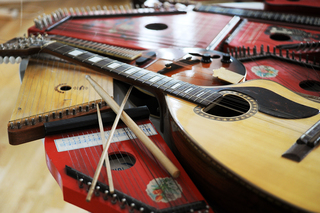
point(27, 185)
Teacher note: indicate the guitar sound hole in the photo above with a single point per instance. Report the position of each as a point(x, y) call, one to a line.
point(228, 106)
point(310, 85)
point(280, 37)
point(121, 161)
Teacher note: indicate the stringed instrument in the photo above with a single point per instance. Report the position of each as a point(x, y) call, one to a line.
point(269, 155)
point(141, 183)
point(149, 28)
point(186, 64)
point(298, 74)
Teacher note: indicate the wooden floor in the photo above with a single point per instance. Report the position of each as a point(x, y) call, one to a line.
point(26, 184)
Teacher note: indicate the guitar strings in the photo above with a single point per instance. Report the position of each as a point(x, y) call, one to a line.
point(117, 144)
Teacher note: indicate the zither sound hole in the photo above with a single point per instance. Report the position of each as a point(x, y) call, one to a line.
point(228, 106)
point(121, 161)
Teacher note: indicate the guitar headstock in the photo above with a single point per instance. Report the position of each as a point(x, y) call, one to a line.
point(13, 50)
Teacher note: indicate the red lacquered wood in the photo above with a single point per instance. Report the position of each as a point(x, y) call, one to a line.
point(193, 29)
point(132, 181)
point(293, 76)
point(254, 34)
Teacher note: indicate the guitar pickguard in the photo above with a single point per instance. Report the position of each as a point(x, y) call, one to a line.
point(274, 104)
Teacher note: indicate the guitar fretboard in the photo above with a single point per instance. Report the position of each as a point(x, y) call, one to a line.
point(187, 91)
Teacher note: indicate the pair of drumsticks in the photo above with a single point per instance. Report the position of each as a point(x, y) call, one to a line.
point(170, 167)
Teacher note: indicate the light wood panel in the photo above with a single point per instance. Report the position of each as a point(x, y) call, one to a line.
point(26, 183)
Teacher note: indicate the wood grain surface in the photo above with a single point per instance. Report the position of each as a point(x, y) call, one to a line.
point(26, 183)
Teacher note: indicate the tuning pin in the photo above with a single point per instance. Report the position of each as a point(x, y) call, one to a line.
point(72, 11)
point(62, 12)
point(66, 12)
point(55, 17)
point(77, 11)
point(88, 9)
point(83, 10)
point(122, 10)
point(105, 9)
point(1, 60)
point(111, 9)
point(132, 207)
point(123, 203)
point(12, 60)
point(127, 7)
point(6, 60)
point(99, 8)
point(94, 9)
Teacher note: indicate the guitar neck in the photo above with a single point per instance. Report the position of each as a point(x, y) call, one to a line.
point(134, 75)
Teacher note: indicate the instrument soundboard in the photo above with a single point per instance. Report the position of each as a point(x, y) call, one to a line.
point(136, 29)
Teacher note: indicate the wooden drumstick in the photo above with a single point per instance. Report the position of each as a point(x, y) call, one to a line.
point(106, 145)
point(166, 163)
point(104, 153)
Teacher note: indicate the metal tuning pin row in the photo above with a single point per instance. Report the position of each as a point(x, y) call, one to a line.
point(245, 53)
point(45, 21)
point(10, 59)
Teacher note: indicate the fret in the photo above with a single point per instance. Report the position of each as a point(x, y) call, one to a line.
point(84, 56)
point(139, 74)
point(103, 62)
point(130, 71)
point(155, 79)
point(146, 77)
point(66, 49)
point(95, 59)
point(181, 88)
point(212, 96)
point(193, 94)
point(188, 92)
point(55, 45)
point(167, 85)
point(123, 67)
point(164, 81)
point(199, 94)
point(113, 65)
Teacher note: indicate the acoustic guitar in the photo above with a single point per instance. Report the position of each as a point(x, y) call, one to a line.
point(255, 142)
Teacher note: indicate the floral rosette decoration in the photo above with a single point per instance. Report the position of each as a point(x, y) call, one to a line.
point(264, 71)
point(164, 190)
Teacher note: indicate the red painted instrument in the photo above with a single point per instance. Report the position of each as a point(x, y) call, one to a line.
point(254, 34)
point(136, 29)
point(295, 73)
point(139, 180)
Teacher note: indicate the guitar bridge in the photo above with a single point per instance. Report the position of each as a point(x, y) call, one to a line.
point(304, 144)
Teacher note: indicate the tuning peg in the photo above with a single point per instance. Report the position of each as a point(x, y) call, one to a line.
point(6, 60)
point(12, 60)
point(1, 60)
point(18, 60)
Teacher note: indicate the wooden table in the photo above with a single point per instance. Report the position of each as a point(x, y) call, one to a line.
point(26, 183)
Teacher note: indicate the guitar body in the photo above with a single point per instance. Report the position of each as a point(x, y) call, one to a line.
point(239, 158)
